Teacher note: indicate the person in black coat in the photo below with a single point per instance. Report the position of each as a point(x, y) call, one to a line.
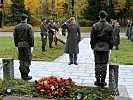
point(73, 38)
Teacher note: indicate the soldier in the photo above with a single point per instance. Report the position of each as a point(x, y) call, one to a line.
point(73, 39)
point(43, 28)
point(128, 28)
point(24, 40)
point(116, 31)
point(51, 31)
point(101, 43)
point(131, 32)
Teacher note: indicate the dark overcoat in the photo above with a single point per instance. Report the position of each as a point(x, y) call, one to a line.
point(116, 31)
point(73, 38)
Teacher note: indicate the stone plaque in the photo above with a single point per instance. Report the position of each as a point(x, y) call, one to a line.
point(17, 98)
point(8, 68)
point(113, 78)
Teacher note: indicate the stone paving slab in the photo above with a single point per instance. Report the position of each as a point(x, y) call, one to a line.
point(83, 73)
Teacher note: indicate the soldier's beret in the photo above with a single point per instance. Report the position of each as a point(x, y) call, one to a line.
point(50, 19)
point(43, 19)
point(24, 15)
point(102, 13)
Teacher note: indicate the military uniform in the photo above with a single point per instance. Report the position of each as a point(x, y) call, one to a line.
point(101, 42)
point(51, 30)
point(73, 38)
point(131, 32)
point(24, 40)
point(116, 31)
point(57, 27)
point(43, 28)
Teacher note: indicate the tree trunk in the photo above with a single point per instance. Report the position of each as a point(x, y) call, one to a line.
point(1, 4)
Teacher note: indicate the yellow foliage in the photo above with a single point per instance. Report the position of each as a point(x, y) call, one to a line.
point(31, 5)
point(7, 1)
point(59, 8)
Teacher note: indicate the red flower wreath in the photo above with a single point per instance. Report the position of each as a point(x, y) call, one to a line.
point(53, 85)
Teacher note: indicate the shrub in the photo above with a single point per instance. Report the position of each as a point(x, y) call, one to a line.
point(85, 23)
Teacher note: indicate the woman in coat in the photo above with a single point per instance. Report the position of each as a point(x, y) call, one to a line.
point(73, 39)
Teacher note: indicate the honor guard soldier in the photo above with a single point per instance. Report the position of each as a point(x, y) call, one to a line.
point(24, 40)
point(43, 28)
point(101, 43)
point(51, 31)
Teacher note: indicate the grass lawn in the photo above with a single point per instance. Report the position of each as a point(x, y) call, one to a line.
point(37, 29)
point(8, 50)
point(125, 54)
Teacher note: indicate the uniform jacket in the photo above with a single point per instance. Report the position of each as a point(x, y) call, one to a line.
point(51, 26)
point(73, 38)
point(101, 36)
point(43, 28)
point(23, 35)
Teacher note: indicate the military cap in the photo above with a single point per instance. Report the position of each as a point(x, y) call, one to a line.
point(50, 19)
point(43, 19)
point(102, 13)
point(24, 15)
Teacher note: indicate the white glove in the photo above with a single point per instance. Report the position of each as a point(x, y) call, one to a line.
point(32, 49)
point(43, 36)
point(53, 30)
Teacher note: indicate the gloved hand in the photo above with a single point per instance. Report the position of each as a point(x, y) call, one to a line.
point(32, 49)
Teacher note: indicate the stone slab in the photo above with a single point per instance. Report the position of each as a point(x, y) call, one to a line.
point(23, 98)
point(122, 98)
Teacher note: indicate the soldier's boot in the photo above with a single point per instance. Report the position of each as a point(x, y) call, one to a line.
point(43, 49)
point(97, 82)
point(103, 83)
point(25, 76)
point(50, 45)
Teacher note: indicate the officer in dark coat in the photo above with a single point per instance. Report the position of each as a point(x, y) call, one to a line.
point(43, 28)
point(24, 40)
point(101, 42)
point(128, 28)
point(51, 31)
point(73, 39)
point(116, 32)
point(131, 32)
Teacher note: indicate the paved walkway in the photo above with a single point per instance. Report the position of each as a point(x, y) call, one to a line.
point(82, 74)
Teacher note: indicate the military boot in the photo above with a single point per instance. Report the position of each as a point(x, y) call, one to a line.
point(97, 82)
point(43, 49)
point(103, 83)
point(26, 77)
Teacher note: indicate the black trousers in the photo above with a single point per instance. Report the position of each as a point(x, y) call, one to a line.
point(73, 57)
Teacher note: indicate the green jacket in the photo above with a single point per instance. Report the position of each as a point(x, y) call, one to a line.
point(43, 28)
point(23, 35)
point(101, 36)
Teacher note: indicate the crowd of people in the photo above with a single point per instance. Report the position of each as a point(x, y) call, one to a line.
point(104, 36)
point(129, 30)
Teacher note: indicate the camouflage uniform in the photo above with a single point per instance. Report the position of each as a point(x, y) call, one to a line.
point(24, 40)
point(43, 33)
point(101, 42)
